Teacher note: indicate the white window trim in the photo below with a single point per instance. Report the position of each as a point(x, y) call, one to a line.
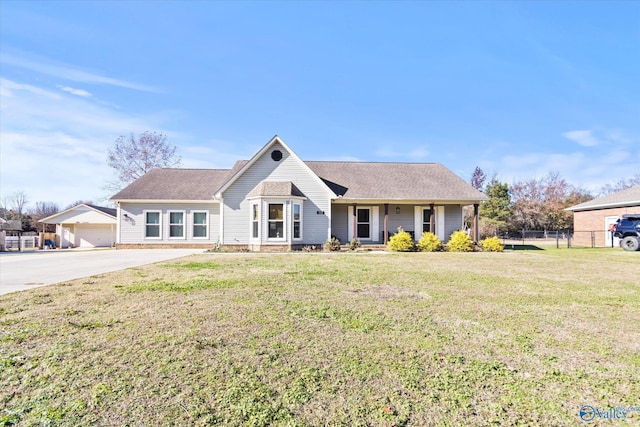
point(144, 214)
point(184, 225)
point(438, 217)
point(374, 221)
point(293, 207)
point(251, 221)
point(285, 206)
point(206, 225)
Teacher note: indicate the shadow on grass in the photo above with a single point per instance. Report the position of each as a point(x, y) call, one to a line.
point(513, 247)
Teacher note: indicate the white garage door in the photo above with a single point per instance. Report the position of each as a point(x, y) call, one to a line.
point(88, 236)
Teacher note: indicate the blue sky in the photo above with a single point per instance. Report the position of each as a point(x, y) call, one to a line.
point(518, 88)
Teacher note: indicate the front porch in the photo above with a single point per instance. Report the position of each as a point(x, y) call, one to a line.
point(373, 223)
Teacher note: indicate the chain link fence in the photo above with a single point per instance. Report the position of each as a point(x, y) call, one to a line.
point(559, 239)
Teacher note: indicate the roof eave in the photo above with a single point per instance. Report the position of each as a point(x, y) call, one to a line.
point(349, 200)
point(165, 201)
point(579, 208)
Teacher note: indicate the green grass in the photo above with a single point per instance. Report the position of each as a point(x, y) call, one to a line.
point(354, 339)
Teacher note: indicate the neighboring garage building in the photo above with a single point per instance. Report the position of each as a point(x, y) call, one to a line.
point(592, 219)
point(84, 226)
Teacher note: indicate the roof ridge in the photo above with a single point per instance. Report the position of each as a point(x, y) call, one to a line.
point(192, 169)
point(377, 162)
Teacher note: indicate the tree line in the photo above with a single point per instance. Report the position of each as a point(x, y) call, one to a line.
point(15, 207)
point(533, 204)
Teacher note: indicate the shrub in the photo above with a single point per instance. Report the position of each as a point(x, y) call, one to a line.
point(354, 244)
point(492, 244)
point(429, 242)
point(460, 242)
point(401, 242)
point(332, 244)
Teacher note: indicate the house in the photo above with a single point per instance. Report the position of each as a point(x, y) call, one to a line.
point(592, 219)
point(276, 201)
point(84, 226)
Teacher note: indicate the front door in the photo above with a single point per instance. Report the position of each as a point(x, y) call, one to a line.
point(609, 239)
point(66, 235)
point(363, 224)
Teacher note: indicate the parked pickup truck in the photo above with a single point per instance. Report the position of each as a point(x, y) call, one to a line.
point(627, 229)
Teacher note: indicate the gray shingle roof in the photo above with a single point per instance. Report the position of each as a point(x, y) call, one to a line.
point(109, 211)
point(401, 181)
point(275, 188)
point(629, 197)
point(350, 180)
point(175, 184)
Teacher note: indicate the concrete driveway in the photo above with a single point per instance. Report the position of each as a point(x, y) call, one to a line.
point(20, 271)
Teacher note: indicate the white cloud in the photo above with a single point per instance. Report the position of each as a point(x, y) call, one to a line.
point(69, 72)
point(586, 169)
point(54, 144)
point(77, 92)
point(582, 137)
point(8, 87)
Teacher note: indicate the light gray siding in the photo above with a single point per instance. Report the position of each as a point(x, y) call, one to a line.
point(315, 211)
point(452, 220)
point(404, 219)
point(339, 222)
point(132, 227)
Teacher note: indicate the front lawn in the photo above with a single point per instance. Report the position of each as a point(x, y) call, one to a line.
point(514, 338)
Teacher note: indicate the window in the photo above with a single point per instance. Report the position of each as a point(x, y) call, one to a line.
point(200, 225)
point(364, 223)
point(176, 224)
point(255, 221)
point(276, 221)
point(426, 220)
point(152, 225)
point(276, 155)
point(297, 221)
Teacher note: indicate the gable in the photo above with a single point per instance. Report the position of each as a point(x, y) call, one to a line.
point(275, 162)
point(82, 214)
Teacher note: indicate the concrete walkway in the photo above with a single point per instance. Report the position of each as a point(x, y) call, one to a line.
point(27, 270)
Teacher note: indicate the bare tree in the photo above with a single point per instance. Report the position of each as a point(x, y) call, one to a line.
point(622, 184)
point(19, 200)
point(538, 204)
point(478, 179)
point(133, 157)
point(43, 210)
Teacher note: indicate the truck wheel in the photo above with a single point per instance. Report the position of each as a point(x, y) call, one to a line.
point(630, 243)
